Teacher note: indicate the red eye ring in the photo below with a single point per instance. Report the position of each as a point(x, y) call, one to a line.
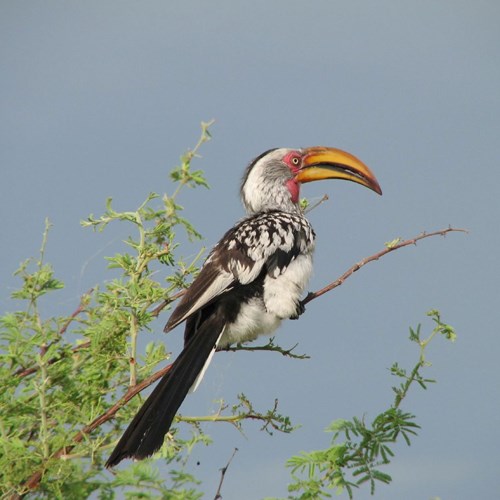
point(293, 160)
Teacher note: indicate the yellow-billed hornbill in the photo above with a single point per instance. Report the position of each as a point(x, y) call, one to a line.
point(252, 280)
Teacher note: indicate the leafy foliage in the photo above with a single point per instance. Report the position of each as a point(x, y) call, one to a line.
point(61, 376)
point(358, 449)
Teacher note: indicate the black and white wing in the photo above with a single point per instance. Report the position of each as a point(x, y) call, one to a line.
point(267, 242)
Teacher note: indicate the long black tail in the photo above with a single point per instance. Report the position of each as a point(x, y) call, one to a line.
point(146, 432)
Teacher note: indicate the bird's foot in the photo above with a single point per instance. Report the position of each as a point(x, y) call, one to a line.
point(301, 308)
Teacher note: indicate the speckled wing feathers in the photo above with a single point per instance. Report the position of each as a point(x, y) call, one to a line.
point(269, 241)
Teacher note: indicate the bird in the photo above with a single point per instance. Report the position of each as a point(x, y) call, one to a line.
point(251, 281)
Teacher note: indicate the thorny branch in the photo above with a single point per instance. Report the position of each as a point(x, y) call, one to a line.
point(34, 481)
point(390, 247)
point(222, 475)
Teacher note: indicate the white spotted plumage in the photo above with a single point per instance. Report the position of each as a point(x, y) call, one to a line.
point(273, 247)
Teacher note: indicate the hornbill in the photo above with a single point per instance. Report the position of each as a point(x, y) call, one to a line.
point(252, 280)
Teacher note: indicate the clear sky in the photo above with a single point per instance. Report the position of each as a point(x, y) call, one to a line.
point(100, 98)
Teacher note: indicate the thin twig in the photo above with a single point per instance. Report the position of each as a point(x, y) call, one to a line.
point(77, 311)
point(389, 248)
point(159, 308)
point(270, 346)
point(312, 207)
point(223, 474)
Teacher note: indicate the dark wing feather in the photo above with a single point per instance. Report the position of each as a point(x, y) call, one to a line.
point(210, 283)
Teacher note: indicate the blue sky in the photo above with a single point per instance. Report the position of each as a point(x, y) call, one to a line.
point(100, 99)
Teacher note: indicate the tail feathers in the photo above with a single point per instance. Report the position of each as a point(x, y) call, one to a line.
point(146, 432)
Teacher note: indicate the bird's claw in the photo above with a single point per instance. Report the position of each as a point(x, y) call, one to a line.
point(301, 308)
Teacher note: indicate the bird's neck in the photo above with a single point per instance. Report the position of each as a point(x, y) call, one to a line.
point(290, 208)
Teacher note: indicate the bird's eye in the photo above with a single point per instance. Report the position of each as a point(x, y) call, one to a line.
point(294, 160)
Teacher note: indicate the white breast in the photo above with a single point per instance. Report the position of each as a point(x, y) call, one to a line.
point(283, 293)
point(253, 320)
point(263, 315)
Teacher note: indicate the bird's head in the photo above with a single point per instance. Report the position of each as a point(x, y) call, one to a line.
point(272, 181)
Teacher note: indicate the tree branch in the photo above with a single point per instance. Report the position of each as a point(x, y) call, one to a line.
point(270, 346)
point(158, 309)
point(222, 475)
point(390, 247)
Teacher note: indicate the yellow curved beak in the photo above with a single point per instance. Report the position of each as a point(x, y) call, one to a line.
point(320, 163)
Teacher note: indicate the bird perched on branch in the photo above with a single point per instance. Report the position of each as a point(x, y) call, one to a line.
point(252, 280)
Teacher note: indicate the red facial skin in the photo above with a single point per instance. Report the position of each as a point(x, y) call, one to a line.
point(294, 161)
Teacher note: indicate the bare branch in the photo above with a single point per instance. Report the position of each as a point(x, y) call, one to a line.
point(390, 247)
point(222, 475)
point(270, 346)
point(158, 309)
point(317, 204)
